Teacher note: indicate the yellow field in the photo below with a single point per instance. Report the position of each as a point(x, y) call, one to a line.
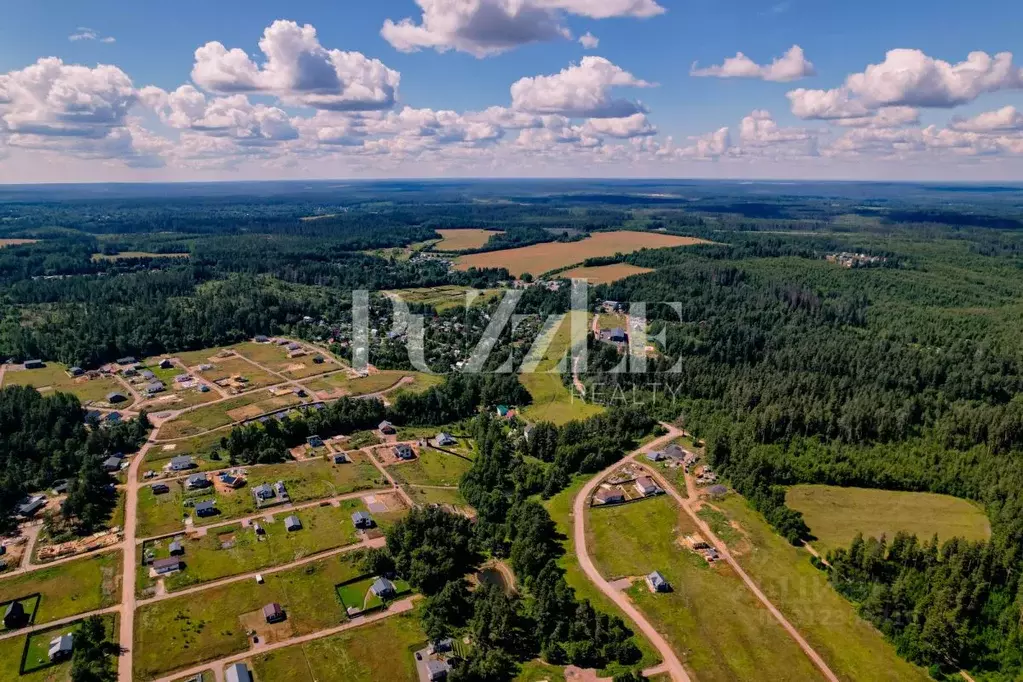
point(16, 242)
point(835, 514)
point(135, 254)
point(461, 240)
point(540, 258)
point(605, 274)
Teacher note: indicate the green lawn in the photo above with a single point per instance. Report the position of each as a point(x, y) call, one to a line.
point(28, 604)
point(383, 650)
point(275, 358)
point(432, 467)
point(184, 631)
point(560, 509)
point(71, 588)
point(853, 649)
point(310, 480)
point(836, 514)
point(713, 622)
point(37, 660)
point(436, 496)
point(230, 550)
point(225, 412)
point(552, 401)
point(342, 384)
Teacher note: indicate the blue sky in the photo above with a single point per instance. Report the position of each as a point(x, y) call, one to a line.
point(266, 125)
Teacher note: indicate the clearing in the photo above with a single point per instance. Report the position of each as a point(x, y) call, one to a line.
point(552, 400)
point(605, 274)
point(183, 631)
point(53, 376)
point(463, 239)
point(836, 514)
point(341, 384)
point(234, 549)
point(225, 412)
point(432, 467)
point(540, 258)
point(443, 297)
point(852, 648)
point(379, 651)
point(16, 242)
point(276, 359)
point(709, 617)
point(70, 588)
point(135, 254)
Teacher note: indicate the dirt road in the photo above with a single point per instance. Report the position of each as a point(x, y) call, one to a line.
point(131, 503)
point(671, 661)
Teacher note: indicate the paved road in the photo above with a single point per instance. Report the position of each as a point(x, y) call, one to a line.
point(687, 506)
point(394, 609)
point(671, 660)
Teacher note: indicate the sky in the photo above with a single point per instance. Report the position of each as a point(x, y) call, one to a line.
point(112, 90)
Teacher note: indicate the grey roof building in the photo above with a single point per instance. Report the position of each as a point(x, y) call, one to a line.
point(382, 588)
point(181, 463)
point(292, 523)
point(205, 508)
point(445, 439)
point(238, 673)
point(437, 670)
point(197, 481)
point(657, 582)
point(263, 491)
point(61, 647)
point(176, 548)
point(111, 464)
point(362, 520)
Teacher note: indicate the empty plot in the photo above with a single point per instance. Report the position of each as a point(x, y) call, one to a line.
point(219, 414)
point(342, 384)
point(540, 258)
point(53, 376)
point(70, 588)
point(379, 651)
point(463, 240)
point(605, 274)
point(306, 361)
point(835, 515)
point(713, 622)
point(432, 467)
point(443, 297)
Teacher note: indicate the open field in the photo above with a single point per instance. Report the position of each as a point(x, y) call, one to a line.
point(275, 358)
point(305, 481)
point(201, 447)
point(852, 648)
point(432, 467)
point(714, 623)
point(560, 509)
point(379, 651)
point(442, 496)
point(183, 631)
point(54, 377)
point(463, 240)
point(443, 297)
point(234, 549)
point(225, 412)
point(227, 368)
point(540, 258)
point(341, 384)
point(605, 274)
point(552, 400)
point(70, 588)
point(836, 514)
point(135, 254)
point(16, 242)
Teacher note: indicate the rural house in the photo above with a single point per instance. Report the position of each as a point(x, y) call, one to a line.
point(263, 492)
point(126, 360)
point(387, 428)
point(116, 397)
point(645, 486)
point(292, 523)
point(656, 582)
point(14, 615)
point(437, 670)
point(341, 459)
point(609, 496)
point(260, 338)
point(441, 646)
point(383, 588)
point(111, 464)
point(33, 364)
point(444, 439)
point(404, 452)
point(314, 442)
point(32, 505)
point(655, 455)
point(273, 613)
point(165, 566)
point(361, 519)
point(181, 463)
point(197, 481)
point(206, 508)
point(176, 548)
point(160, 488)
point(61, 648)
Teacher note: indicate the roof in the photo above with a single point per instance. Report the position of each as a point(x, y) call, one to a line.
point(238, 673)
point(292, 521)
point(436, 668)
point(656, 579)
point(182, 460)
point(645, 482)
point(175, 545)
point(385, 424)
point(205, 505)
point(61, 644)
point(166, 563)
point(197, 478)
point(382, 586)
point(160, 486)
point(15, 608)
point(361, 517)
point(272, 610)
point(263, 488)
point(112, 462)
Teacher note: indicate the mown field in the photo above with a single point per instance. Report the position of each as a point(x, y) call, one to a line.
point(432, 467)
point(37, 668)
point(233, 549)
point(835, 515)
point(463, 240)
point(384, 650)
point(225, 412)
point(713, 622)
point(852, 648)
point(341, 384)
point(183, 631)
point(605, 274)
point(70, 588)
point(552, 400)
point(443, 297)
point(54, 377)
point(540, 258)
point(275, 358)
point(305, 481)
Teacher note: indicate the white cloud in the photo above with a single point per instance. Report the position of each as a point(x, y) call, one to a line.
point(232, 116)
point(759, 129)
point(85, 33)
point(589, 41)
point(1006, 119)
point(58, 99)
point(626, 127)
point(582, 91)
point(910, 78)
point(488, 27)
point(886, 117)
point(793, 65)
point(298, 70)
